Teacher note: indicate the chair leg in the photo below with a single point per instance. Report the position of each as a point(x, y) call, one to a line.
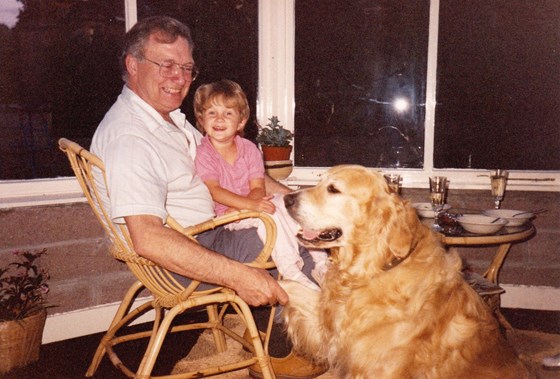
point(124, 307)
point(161, 327)
point(156, 341)
point(219, 338)
point(159, 316)
point(263, 358)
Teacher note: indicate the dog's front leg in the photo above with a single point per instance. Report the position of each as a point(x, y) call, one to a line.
point(301, 316)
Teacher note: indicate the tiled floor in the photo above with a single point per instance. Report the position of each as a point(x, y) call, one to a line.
point(70, 359)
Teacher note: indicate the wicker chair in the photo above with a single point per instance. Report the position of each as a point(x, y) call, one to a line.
point(168, 297)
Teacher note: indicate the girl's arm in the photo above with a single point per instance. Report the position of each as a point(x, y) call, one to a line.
point(273, 186)
point(258, 190)
point(254, 201)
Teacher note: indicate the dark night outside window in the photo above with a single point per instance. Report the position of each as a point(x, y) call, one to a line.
point(360, 82)
point(498, 78)
point(59, 75)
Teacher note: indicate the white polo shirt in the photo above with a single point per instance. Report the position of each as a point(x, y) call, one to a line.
point(150, 163)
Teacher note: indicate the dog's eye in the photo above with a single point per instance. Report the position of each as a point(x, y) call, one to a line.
point(332, 189)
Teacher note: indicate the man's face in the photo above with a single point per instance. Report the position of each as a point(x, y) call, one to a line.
point(164, 94)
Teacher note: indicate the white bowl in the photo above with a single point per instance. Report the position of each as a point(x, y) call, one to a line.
point(425, 209)
point(279, 169)
point(481, 224)
point(513, 216)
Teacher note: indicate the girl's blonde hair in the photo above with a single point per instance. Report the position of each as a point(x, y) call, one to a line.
point(226, 91)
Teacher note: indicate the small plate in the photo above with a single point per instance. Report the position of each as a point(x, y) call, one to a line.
point(425, 209)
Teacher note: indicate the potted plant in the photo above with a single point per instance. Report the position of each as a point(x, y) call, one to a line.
point(23, 291)
point(275, 141)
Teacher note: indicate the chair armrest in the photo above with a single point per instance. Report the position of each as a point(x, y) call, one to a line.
point(263, 259)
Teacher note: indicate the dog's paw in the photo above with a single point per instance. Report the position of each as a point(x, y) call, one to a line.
point(290, 286)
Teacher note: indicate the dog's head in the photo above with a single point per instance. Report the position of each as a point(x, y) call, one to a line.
point(352, 208)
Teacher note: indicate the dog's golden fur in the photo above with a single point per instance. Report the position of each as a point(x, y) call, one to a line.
point(393, 303)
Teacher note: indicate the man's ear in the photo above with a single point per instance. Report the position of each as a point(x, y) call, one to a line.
point(131, 64)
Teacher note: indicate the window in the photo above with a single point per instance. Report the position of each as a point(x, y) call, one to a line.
point(479, 66)
point(63, 70)
point(360, 82)
point(498, 102)
point(60, 73)
point(360, 88)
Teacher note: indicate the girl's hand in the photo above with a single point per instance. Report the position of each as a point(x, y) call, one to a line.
point(263, 205)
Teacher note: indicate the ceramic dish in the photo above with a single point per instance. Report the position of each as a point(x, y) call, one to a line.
point(425, 209)
point(279, 169)
point(514, 217)
point(481, 224)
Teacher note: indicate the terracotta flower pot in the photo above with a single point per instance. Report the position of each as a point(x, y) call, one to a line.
point(20, 341)
point(276, 153)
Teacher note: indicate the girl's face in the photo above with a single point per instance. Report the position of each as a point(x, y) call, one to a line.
point(222, 123)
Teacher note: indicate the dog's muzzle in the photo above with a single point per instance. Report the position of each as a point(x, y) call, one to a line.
point(322, 236)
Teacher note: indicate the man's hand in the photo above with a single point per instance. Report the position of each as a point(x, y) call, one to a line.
point(259, 288)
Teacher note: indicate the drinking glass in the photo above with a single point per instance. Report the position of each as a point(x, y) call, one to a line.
point(394, 182)
point(498, 180)
point(438, 186)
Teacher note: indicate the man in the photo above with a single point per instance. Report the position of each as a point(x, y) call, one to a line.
point(148, 148)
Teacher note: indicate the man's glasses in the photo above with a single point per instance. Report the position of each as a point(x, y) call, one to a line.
point(169, 69)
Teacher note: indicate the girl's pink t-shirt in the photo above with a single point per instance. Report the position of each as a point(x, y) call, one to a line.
point(248, 166)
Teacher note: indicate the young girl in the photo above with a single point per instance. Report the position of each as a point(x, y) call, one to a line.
point(233, 170)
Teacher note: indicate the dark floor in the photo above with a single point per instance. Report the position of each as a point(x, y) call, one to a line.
point(69, 359)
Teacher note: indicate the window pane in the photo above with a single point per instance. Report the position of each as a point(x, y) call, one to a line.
point(59, 75)
point(498, 100)
point(225, 35)
point(360, 82)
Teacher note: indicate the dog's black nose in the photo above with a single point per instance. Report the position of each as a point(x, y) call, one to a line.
point(289, 200)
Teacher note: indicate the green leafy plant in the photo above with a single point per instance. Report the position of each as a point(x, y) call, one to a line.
point(23, 287)
point(274, 134)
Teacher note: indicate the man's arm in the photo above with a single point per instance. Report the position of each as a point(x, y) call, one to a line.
point(177, 253)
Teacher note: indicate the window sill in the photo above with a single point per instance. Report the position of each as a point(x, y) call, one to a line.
point(27, 193)
point(458, 179)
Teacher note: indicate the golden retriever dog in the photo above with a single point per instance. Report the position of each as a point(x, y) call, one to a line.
point(393, 303)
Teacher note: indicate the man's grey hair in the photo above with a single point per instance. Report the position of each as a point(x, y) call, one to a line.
point(164, 29)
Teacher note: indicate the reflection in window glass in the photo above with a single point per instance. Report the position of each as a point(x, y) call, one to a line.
point(498, 101)
point(60, 73)
point(225, 35)
point(360, 82)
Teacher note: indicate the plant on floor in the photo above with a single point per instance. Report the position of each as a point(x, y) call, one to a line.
point(23, 286)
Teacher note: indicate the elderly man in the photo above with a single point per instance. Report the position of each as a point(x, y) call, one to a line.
point(148, 148)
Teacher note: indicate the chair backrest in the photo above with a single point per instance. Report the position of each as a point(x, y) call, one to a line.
point(166, 289)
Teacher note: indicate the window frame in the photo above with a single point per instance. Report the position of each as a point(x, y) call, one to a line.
point(276, 97)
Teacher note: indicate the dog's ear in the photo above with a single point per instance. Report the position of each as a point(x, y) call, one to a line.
point(402, 230)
